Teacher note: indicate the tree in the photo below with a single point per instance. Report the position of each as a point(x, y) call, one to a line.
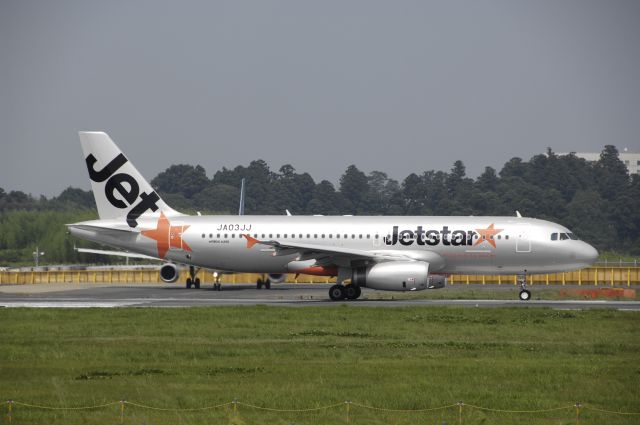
point(354, 187)
point(185, 179)
point(612, 174)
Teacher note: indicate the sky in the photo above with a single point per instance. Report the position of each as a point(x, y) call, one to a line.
point(395, 86)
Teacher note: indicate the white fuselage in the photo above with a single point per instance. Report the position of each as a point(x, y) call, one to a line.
point(450, 244)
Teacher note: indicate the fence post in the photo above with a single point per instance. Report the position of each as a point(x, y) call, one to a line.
point(612, 274)
point(10, 402)
point(578, 405)
point(122, 402)
point(348, 404)
point(460, 404)
point(235, 407)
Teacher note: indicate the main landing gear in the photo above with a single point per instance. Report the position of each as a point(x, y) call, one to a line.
point(341, 292)
point(525, 295)
point(192, 280)
point(263, 281)
point(217, 286)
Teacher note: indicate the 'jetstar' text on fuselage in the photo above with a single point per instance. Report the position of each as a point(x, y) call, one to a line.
point(430, 237)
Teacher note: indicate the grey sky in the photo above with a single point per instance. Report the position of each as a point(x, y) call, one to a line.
point(395, 86)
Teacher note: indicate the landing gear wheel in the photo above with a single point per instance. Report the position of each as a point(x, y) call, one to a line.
point(192, 279)
point(267, 284)
point(525, 295)
point(259, 284)
point(217, 286)
point(337, 292)
point(352, 292)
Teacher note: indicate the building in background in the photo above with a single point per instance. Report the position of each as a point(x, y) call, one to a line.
point(630, 160)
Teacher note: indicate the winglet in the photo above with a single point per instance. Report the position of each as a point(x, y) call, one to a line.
point(250, 241)
point(518, 214)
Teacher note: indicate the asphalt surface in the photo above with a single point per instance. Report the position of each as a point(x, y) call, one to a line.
point(292, 295)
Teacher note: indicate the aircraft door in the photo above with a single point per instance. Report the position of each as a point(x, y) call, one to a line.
point(523, 243)
point(376, 240)
point(176, 243)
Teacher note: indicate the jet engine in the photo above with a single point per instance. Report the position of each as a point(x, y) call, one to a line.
point(436, 281)
point(393, 276)
point(169, 272)
point(277, 277)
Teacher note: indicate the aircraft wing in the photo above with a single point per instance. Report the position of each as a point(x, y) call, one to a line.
point(117, 253)
point(334, 254)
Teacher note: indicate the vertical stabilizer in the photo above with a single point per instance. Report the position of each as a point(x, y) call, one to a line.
point(119, 189)
point(241, 208)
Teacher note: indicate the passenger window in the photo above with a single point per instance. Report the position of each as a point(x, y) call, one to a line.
point(360, 236)
point(554, 236)
point(226, 235)
point(315, 236)
point(338, 236)
point(323, 236)
point(203, 235)
point(377, 236)
point(353, 236)
point(270, 235)
point(308, 236)
point(368, 236)
point(233, 235)
point(278, 236)
point(218, 235)
point(263, 236)
point(330, 235)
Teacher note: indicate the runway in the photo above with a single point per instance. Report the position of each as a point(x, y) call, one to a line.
point(289, 295)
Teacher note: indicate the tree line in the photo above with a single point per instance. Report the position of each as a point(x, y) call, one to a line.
point(598, 200)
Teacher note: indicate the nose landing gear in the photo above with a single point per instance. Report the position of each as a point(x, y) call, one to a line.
point(524, 295)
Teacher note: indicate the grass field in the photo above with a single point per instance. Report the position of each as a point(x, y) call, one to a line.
point(298, 358)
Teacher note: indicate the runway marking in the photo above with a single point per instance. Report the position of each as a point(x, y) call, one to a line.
point(54, 304)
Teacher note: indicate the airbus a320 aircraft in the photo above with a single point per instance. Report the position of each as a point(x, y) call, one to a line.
point(395, 253)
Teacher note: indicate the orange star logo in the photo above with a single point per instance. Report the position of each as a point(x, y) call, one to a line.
point(487, 235)
point(167, 236)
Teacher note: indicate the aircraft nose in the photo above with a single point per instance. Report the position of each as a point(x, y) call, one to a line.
point(587, 253)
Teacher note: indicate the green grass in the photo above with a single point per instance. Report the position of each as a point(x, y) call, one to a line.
point(296, 358)
point(502, 292)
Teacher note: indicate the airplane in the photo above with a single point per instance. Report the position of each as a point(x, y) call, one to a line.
point(391, 253)
point(170, 277)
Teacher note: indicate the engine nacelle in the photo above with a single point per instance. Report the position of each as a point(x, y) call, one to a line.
point(436, 281)
point(169, 272)
point(277, 277)
point(393, 276)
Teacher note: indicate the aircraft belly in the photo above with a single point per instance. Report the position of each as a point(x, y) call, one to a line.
point(235, 256)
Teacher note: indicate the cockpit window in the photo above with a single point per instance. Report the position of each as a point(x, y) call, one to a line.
point(564, 236)
point(573, 237)
point(554, 236)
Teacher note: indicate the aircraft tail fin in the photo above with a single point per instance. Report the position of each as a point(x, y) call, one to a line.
point(119, 189)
